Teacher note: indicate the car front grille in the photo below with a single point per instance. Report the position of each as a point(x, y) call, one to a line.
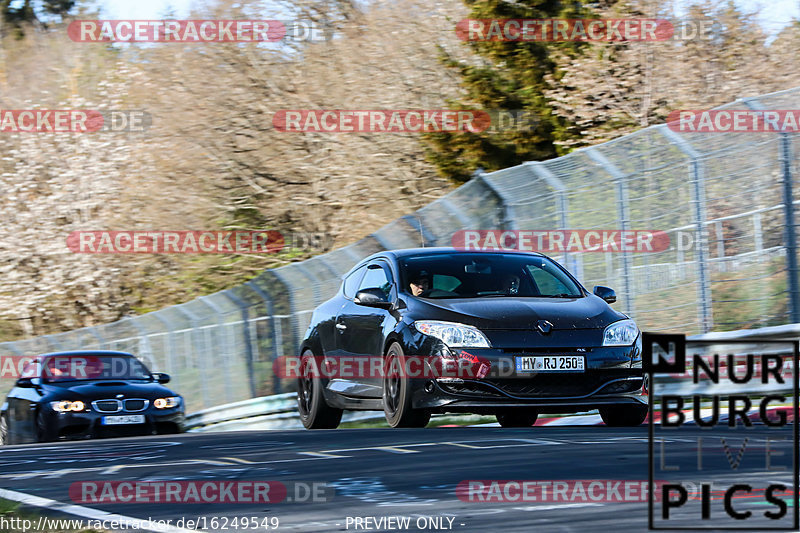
point(132, 405)
point(552, 385)
point(107, 406)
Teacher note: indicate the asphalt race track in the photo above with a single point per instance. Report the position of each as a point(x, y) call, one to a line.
point(376, 473)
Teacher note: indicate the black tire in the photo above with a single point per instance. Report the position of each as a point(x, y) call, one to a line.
point(315, 413)
point(3, 431)
point(623, 415)
point(397, 393)
point(518, 418)
point(42, 432)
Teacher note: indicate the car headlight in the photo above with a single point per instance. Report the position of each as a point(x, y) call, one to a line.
point(453, 334)
point(65, 406)
point(167, 403)
point(622, 333)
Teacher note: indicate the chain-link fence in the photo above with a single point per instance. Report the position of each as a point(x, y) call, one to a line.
point(726, 200)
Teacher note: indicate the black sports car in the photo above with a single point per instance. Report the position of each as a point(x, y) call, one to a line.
point(428, 330)
point(85, 394)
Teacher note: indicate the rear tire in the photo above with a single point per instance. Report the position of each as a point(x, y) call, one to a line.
point(3, 431)
point(517, 418)
point(623, 415)
point(314, 411)
point(397, 393)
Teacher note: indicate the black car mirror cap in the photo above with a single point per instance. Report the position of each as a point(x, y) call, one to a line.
point(605, 293)
point(25, 383)
point(373, 298)
point(160, 377)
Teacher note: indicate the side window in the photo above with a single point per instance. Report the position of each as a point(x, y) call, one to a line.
point(377, 278)
point(351, 282)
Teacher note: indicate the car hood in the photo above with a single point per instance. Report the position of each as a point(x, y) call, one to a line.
point(98, 390)
point(589, 312)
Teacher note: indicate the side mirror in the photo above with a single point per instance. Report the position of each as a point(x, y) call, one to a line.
point(605, 293)
point(160, 377)
point(25, 383)
point(373, 298)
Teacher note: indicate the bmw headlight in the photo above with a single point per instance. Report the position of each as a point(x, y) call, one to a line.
point(622, 333)
point(453, 334)
point(167, 403)
point(65, 406)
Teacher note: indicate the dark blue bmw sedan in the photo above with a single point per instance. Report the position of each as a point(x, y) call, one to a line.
point(85, 394)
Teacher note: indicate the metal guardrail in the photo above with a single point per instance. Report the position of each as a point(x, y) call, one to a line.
point(280, 411)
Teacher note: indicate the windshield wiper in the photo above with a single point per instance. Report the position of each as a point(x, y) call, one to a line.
point(562, 295)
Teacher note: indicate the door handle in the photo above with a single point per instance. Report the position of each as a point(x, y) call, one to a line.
point(341, 327)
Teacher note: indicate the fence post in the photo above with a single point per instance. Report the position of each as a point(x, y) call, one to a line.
point(173, 349)
point(221, 352)
point(248, 345)
point(277, 334)
point(509, 216)
point(540, 171)
point(623, 213)
point(699, 193)
point(100, 340)
point(201, 366)
point(790, 235)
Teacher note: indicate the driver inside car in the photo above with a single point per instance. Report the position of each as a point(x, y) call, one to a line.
point(420, 283)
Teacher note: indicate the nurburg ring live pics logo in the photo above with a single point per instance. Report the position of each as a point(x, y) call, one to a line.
point(723, 433)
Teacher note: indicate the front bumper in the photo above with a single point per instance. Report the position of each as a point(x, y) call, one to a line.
point(89, 424)
point(612, 376)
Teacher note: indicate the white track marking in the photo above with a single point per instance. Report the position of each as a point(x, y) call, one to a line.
point(84, 512)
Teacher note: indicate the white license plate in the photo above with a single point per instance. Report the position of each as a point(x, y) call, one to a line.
point(550, 363)
point(119, 420)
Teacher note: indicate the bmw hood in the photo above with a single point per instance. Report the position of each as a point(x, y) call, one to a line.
point(100, 390)
point(589, 312)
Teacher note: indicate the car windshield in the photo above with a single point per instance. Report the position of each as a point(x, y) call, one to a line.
point(460, 275)
point(90, 367)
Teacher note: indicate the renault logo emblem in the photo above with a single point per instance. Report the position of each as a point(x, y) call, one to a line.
point(544, 327)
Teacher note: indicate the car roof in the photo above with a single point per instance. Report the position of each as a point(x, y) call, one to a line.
point(405, 252)
point(447, 249)
point(87, 352)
